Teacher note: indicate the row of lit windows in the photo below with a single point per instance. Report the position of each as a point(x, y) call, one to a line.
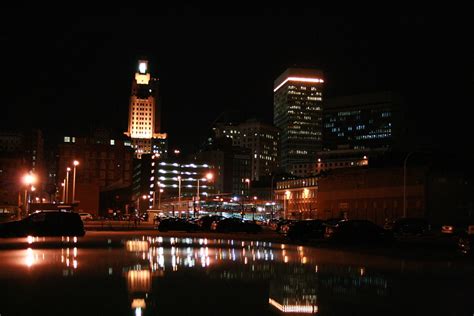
point(373, 136)
point(297, 183)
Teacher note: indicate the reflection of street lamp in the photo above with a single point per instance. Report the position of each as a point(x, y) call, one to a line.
point(76, 163)
point(67, 183)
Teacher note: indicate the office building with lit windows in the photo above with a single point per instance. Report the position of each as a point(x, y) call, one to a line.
point(232, 166)
point(260, 138)
point(144, 114)
point(362, 122)
point(298, 113)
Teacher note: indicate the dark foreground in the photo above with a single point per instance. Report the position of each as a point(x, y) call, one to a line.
point(152, 273)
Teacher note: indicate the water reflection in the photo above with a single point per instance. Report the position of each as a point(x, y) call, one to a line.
point(158, 275)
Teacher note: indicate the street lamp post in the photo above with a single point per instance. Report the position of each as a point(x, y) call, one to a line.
point(67, 184)
point(208, 177)
point(75, 163)
point(179, 196)
point(159, 198)
point(138, 201)
point(248, 191)
point(63, 184)
point(28, 180)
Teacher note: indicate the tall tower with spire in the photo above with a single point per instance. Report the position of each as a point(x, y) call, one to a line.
point(144, 114)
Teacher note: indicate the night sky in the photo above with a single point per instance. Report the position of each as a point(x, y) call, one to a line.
point(66, 73)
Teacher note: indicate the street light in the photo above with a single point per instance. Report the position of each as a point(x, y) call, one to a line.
point(144, 196)
point(28, 180)
point(63, 184)
point(208, 177)
point(67, 184)
point(287, 198)
point(75, 163)
point(159, 198)
point(179, 196)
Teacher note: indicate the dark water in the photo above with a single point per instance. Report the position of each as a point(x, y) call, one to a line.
point(143, 275)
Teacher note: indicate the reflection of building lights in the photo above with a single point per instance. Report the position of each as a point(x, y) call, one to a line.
point(304, 309)
point(137, 245)
point(362, 271)
point(138, 303)
point(139, 280)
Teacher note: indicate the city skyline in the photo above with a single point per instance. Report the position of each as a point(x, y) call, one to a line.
point(86, 66)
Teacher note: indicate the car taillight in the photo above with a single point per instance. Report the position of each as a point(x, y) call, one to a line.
point(470, 229)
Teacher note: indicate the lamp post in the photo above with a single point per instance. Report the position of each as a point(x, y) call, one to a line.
point(159, 198)
point(179, 195)
point(28, 180)
point(248, 191)
point(287, 199)
point(208, 177)
point(75, 163)
point(67, 184)
point(144, 196)
point(63, 184)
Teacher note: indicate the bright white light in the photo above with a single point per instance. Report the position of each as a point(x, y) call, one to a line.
point(142, 68)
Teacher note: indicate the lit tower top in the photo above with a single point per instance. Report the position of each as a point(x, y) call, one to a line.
point(144, 110)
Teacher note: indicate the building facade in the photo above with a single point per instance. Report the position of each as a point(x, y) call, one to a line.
point(101, 165)
point(21, 152)
point(260, 138)
point(298, 113)
point(144, 114)
point(298, 197)
point(362, 122)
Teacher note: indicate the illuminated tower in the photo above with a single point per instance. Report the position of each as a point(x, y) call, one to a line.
point(144, 114)
point(298, 113)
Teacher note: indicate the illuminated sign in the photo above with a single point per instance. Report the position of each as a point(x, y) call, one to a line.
point(298, 79)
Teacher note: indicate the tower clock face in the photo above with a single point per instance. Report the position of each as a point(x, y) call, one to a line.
point(142, 68)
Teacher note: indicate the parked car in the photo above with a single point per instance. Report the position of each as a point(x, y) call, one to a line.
point(86, 216)
point(306, 229)
point(206, 221)
point(458, 227)
point(410, 226)
point(234, 224)
point(45, 223)
point(357, 231)
point(7, 216)
point(175, 223)
point(283, 226)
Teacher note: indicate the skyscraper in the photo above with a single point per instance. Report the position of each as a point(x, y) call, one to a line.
point(298, 113)
point(144, 114)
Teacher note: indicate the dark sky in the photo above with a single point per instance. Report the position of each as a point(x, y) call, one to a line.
point(67, 72)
